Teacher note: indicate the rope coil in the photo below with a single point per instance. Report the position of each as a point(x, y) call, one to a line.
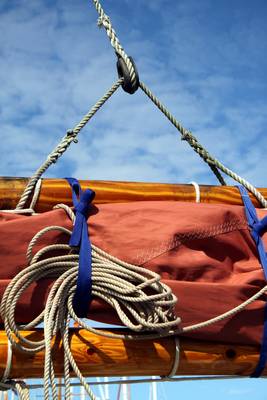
point(141, 301)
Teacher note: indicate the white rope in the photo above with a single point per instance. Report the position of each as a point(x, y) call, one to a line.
point(227, 314)
point(35, 197)
point(22, 212)
point(197, 190)
point(36, 194)
point(213, 163)
point(6, 373)
point(123, 286)
point(105, 21)
point(142, 302)
point(71, 136)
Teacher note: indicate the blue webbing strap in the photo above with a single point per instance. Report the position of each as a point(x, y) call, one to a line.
point(80, 239)
point(257, 229)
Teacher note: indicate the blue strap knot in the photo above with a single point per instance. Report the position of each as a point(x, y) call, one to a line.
point(260, 227)
point(80, 239)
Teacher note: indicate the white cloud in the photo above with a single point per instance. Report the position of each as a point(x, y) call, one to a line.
point(56, 64)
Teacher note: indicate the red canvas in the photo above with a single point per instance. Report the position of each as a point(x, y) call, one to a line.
point(204, 252)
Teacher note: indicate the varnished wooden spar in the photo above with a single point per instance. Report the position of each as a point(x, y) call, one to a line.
point(100, 356)
point(56, 191)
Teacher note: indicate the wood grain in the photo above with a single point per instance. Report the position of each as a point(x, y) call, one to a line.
point(56, 191)
point(99, 356)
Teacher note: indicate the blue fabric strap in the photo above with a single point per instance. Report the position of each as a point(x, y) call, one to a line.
point(80, 239)
point(257, 229)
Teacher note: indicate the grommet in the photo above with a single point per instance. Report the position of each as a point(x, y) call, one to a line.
point(123, 72)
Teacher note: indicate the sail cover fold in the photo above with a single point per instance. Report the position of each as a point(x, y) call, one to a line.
point(204, 252)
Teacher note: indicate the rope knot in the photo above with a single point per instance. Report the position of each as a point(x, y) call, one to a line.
point(103, 21)
point(186, 136)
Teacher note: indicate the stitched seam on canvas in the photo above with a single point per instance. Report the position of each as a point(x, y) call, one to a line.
point(143, 256)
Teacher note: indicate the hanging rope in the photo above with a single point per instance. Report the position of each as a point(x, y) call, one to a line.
point(201, 151)
point(104, 21)
point(71, 136)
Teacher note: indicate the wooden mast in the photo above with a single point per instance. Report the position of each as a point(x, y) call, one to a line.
point(56, 191)
point(100, 356)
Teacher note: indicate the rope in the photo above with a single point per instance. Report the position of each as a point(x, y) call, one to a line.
point(197, 190)
point(19, 387)
point(213, 163)
point(71, 136)
point(142, 302)
point(104, 21)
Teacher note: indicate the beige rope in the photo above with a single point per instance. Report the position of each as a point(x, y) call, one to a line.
point(201, 151)
point(105, 21)
point(71, 136)
point(122, 285)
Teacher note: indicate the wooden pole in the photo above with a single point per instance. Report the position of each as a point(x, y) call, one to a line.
point(56, 191)
point(100, 356)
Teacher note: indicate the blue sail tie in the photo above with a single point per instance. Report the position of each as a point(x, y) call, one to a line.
point(80, 239)
point(257, 229)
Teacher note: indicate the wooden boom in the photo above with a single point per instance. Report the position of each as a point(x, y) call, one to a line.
point(100, 356)
point(56, 191)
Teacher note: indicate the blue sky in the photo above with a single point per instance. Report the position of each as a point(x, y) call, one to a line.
point(206, 60)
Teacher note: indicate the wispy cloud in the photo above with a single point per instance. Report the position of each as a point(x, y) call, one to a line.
point(56, 64)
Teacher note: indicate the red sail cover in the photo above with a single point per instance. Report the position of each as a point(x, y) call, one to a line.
point(204, 252)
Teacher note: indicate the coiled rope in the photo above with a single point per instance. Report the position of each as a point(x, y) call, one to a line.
point(142, 302)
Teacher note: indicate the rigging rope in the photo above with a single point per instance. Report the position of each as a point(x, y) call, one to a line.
point(71, 135)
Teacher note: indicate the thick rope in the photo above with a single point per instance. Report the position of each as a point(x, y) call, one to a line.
point(71, 136)
point(203, 153)
point(105, 21)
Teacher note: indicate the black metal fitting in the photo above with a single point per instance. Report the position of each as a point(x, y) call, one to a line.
point(123, 72)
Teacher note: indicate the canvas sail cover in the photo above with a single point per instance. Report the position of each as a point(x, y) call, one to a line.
point(204, 252)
